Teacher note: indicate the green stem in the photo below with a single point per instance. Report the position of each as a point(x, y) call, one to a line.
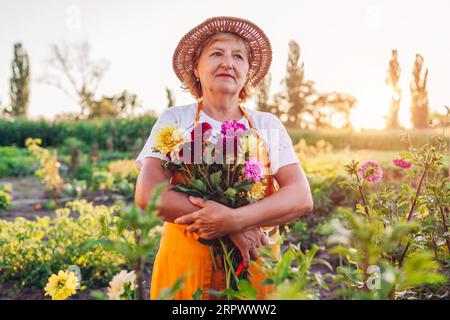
point(213, 257)
point(417, 193)
point(229, 261)
point(366, 209)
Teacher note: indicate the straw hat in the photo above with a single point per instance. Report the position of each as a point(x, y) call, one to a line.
point(260, 55)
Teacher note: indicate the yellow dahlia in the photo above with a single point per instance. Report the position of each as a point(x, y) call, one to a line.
point(168, 138)
point(61, 286)
point(257, 192)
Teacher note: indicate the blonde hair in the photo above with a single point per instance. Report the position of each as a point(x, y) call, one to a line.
point(190, 82)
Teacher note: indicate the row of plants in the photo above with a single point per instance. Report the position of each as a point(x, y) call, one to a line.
point(365, 139)
point(128, 134)
point(16, 162)
point(19, 162)
point(117, 176)
point(118, 134)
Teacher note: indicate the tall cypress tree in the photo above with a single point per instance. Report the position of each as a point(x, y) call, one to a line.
point(262, 94)
point(297, 88)
point(170, 98)
point(393, 76)
point(419, 95)
point(19, 83)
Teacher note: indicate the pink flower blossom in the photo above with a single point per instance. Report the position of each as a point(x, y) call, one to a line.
point(402, 163)
point(253, 170)
point(371, 171)
point(231, 127)
point(202, 130)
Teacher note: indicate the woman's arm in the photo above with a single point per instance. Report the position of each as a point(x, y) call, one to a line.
point(173, 203)
point(291, 201)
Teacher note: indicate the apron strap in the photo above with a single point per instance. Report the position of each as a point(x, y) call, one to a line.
point(200, 105)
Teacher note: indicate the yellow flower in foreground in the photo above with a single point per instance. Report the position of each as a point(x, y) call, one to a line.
point(61, 286)
point(168, 138)
point(257, 192)
point(117, 285)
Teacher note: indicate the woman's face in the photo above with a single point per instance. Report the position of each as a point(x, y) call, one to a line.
point(223, 66)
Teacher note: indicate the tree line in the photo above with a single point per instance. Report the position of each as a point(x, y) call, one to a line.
point(298, 104)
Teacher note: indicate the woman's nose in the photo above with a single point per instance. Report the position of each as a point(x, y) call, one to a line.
point(227, 63)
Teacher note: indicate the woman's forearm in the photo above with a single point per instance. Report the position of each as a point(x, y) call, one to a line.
point(175, 204)
point(283, 206)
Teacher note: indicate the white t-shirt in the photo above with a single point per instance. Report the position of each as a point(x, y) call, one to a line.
point(268, 126)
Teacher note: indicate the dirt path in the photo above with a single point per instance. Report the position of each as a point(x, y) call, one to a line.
point(29, 199)
point(26, 193)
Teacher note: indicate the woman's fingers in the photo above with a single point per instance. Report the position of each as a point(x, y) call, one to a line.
point(264, 240)
point(199, 202)
point(187, 218)
point(192, 228)
point(245, 257)
point(253, 254)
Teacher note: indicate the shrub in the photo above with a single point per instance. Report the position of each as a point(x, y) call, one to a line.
point(33, 250)
point(5, 196)
point(120, 133)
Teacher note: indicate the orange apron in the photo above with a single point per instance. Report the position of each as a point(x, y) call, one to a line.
point(181, 254)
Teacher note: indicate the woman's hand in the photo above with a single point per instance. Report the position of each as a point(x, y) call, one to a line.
point(247, 242)
point(212, 221)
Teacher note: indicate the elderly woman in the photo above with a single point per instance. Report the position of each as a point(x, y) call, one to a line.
point(219, 61)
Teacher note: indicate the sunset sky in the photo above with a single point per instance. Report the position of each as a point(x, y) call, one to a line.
point(345, 45)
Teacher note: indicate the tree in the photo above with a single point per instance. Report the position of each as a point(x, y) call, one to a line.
point(19, 83)
point(71, 70)
point(393, 76)
point(327, 106)
point(170, 98)
point(121, 105)
point(419, 95)
point(262, 94)
point(297, 89)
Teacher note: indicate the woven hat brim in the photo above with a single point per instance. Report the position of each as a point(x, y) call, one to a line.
point(261, 50)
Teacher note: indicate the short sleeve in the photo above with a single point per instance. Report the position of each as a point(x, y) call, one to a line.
point(167, 118)
point(280, 146)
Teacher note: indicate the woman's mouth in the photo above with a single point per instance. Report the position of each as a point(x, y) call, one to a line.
point(222, 75)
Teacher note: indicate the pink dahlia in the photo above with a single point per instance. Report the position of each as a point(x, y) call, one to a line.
point(371, 171)
point(231, 127)
point(402, 163)
point(253, 170)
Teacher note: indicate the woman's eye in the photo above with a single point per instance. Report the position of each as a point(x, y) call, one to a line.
point(238, 56)
point(216, 54)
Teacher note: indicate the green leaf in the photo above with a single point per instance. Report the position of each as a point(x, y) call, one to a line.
point(244, 185)
point(230, 192)
point(283, 267)
point(197, 294)
point(215, 179)
point(246, 291)
point(200, 185)
point(99, 295)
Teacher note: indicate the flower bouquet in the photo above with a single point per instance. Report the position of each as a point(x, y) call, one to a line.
point(227, 167)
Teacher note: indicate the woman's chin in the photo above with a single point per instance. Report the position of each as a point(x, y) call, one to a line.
point(225, 89)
